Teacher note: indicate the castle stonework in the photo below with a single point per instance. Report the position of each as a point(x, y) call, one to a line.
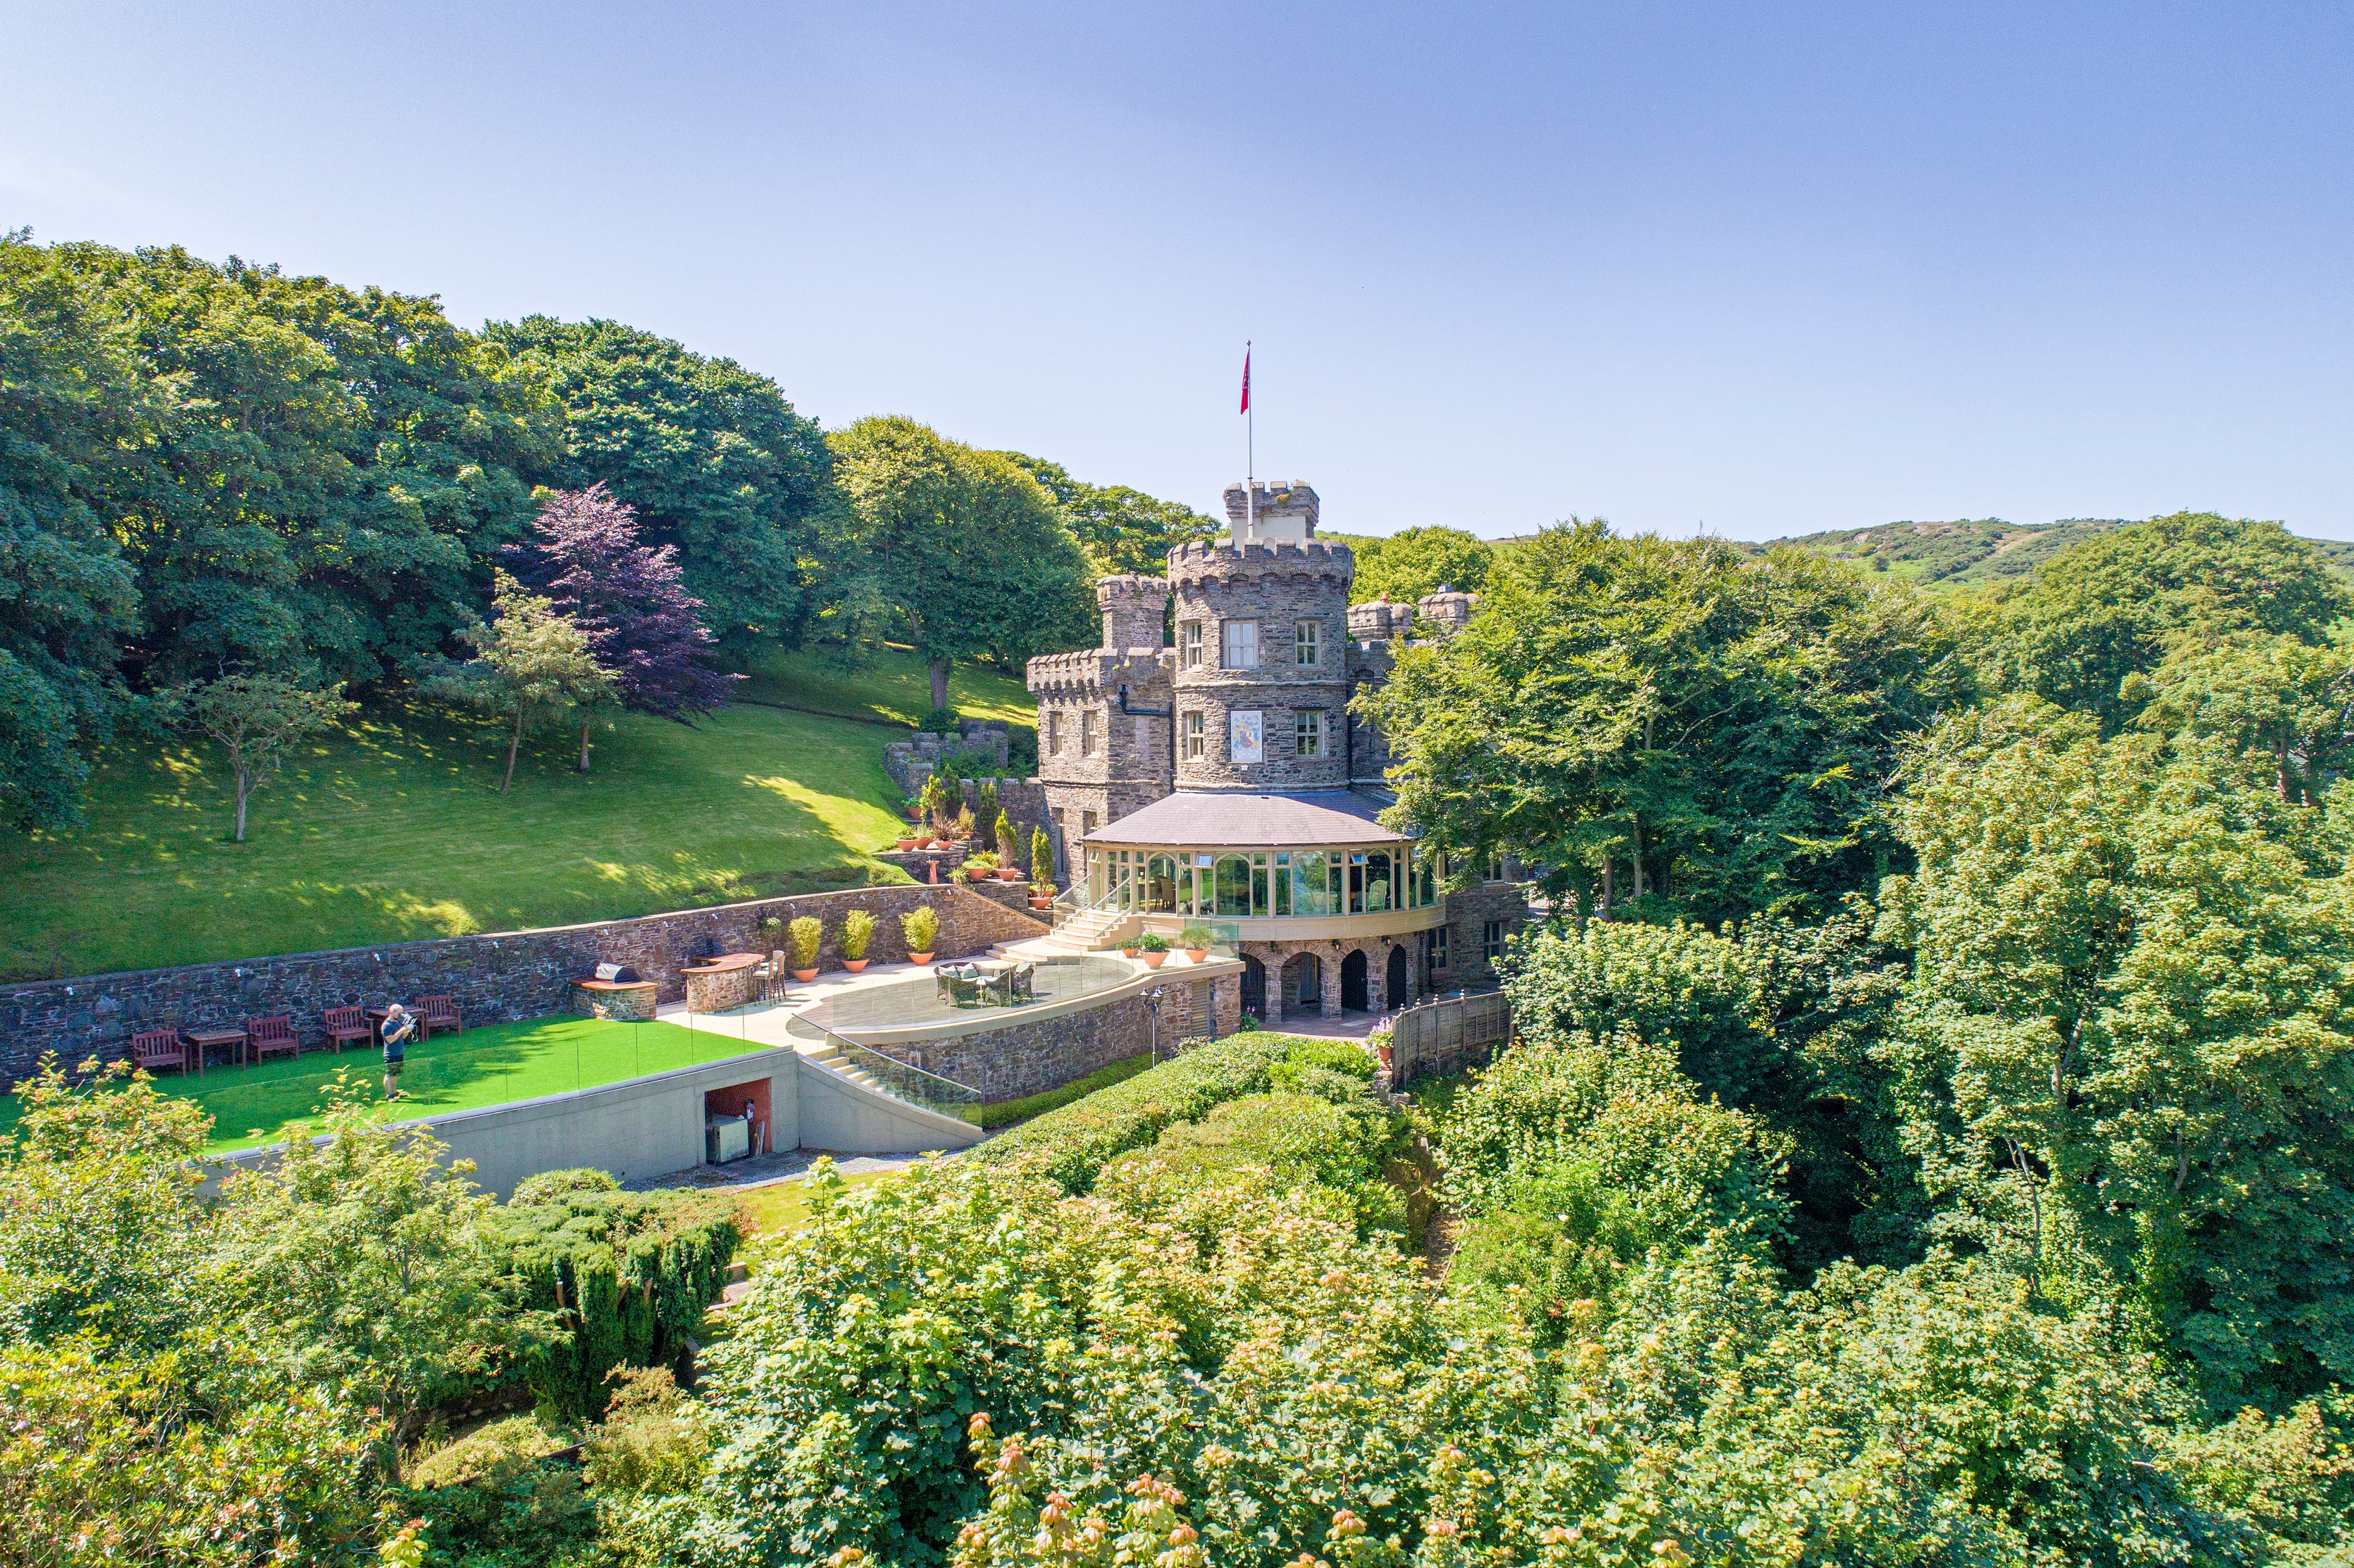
point(1219, 779)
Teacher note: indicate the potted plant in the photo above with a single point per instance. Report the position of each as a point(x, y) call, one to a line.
point(1007, 840)
point(1042, 856)
point(772, 933)
point(978, 868)
point(921, 926)
point(1380, 1040)
point(1042, 896)
point(1195, 940)
point(804, 934)
point(1154, 949)
point(857, 933)
point(1129, 948)
point(991, 818)
point(913, 841)
point(964, 823)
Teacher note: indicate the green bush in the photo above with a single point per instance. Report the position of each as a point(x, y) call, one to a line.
point(921, 926)
point(940, 721)
point(1196, 938)
point(1153, 942)
point(1297, 1077)
point(648, 1442)
point(1042, 856)
point(1076, 1142)
point(985, 811)
point(1007, 838)
point(1340, 1055)
point(494, 1498)
point(627, 1274)
point(857, 934)
point(550, 1185)
point(1004, 1113)
point(806, 933)
point(1340, 1144)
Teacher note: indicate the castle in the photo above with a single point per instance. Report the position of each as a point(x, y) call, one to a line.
point(1220, 779)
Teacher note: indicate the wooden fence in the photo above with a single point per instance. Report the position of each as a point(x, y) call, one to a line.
point(1447, 1035)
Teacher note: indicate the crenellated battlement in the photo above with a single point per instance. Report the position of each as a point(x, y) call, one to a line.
point(1096, 673)
point(1130, 588)
point(1380, 620)
point(1221, 562)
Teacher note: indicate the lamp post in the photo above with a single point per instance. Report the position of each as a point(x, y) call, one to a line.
point(1152, 1001)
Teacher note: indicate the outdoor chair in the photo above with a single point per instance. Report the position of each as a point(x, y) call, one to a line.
point(264, 1036)
point(435, 1014)
point(1023, 983)
point(961, 986)
point(348, 1023)
point(153, 1048)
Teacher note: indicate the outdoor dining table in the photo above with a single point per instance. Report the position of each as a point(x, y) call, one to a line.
point(203, 1040)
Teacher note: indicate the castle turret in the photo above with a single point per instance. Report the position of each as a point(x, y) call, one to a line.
point(1269, 510)
point(1134, 609)
point(1261, 683)
point(1379, 619)
point(1447, 610)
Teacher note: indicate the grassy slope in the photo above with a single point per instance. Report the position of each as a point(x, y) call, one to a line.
point(394, 829)
point(484, 1066)
point(890, 687)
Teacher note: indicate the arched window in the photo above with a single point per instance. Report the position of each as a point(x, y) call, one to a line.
point(1234, 886)
point(1377, 881)
point(1160, 884)
point(1428, 890)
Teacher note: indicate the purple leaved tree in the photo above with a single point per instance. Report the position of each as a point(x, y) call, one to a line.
point(643, 625)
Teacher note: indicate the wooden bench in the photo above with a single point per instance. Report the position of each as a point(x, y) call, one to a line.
point(154, 1048)
point(436, 1014)
point(275, 1033)
point(348, 1023)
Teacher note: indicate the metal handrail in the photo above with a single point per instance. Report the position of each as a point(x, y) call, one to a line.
point(904, 1082)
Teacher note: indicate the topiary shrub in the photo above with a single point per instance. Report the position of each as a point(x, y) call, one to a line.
point(857, 934)
point(921, 926)
point(549, 1185)
point(806, 933)
point(1008, 837)
point(986, 813)
point(1042, 856)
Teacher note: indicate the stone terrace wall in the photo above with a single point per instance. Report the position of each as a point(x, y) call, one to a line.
point(505, 975)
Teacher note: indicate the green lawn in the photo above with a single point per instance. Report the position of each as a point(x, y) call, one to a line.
point(486, 1067)
point(394, 829)
point(781, 1208)
point(889, 686)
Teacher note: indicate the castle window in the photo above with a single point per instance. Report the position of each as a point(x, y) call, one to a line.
point(1495, 868)
point(1434, 948)
point(1239, 651)
point(1191, 642)
point(1491, 940)
point(1054, 732)
point(1194, 731)
point(1306, 636)
point(1307, 730)
point(1088, 734)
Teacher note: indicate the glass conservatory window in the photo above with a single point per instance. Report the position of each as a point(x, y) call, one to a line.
point(1377, 881)
point(1160, 884)
point(1356, 882)
point(1308, 895)
point(1234, 886)
point(1281, 884)
point(1258, 885)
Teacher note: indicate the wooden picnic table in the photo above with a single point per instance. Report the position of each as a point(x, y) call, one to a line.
point(202, 1040)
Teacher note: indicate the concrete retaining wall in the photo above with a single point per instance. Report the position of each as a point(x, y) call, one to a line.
point(496, 977)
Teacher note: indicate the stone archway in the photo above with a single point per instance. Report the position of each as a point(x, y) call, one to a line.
point(1303, 982)
point(1395, 983)
point(1353, 972)
point(1254, 987)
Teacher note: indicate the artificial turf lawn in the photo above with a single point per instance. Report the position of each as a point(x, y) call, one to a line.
point(491, 1065)
point(393, 829)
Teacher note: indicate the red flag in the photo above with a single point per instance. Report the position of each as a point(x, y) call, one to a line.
point(1246, 407)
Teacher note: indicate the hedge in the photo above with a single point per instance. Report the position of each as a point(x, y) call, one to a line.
point(628, 1274)
point(1077, 1140)
point(1004, 1113)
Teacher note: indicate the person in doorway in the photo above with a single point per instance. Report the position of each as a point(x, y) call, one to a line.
point(400, 1025)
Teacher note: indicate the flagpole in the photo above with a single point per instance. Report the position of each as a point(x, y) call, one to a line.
point(1250, 452)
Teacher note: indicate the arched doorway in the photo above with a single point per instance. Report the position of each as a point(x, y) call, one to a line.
point(1303, 983)
point(1353, 981)
point(1254, 987)
point(1393, 992)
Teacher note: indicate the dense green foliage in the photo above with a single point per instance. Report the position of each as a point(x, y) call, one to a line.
point(1670, 724)
point(1006, 1113)
point(1405, 566)
point(1122, 530)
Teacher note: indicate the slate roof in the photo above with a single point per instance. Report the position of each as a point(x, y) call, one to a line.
point(1220, 819)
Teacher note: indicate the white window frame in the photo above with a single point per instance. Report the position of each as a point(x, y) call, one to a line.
point(1238, 644)
point(1189, 642)
point(1309, 733)
point(1491, 940)
point(1087, 732)
point(1308, 643)
point(1197, 737)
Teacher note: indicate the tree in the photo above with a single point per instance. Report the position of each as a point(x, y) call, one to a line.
point(963, 554)
point(2123, 1054)
point(2123, 602)
point(1412, 562)
point(710, 455)
point(530, 660)
point(1121, 529)
point(627, 599)
point(1672, 724)
point(253, 720)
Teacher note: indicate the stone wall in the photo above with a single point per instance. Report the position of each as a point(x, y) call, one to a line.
point(1467, 913)
point(505, 975)
point(910, 762)
point(1032, 1055)
point(1278, 585)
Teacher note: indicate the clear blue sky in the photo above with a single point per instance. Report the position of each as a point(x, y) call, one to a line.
point(1774, 267)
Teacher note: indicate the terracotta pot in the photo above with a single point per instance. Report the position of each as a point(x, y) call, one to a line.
point(1154, 961)
point(1197, 955)
point(855, 965)
point(804, 976)
point(1385, 1057)
point(1042, 903)
point(910, 843)
point(1009, 873)
point(1128, 953)
point(919, 958)
point(978, 873)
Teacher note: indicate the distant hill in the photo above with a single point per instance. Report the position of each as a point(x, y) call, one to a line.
point(1972, 550)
